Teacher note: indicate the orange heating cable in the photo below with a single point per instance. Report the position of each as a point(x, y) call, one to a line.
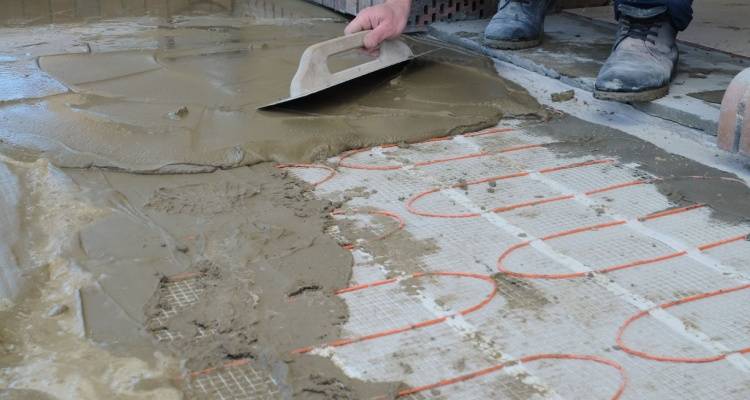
point(410, 203)
point(418, 325)
point(655, 357)
point(461, 378)
point(487, 299)
point(331, 171)
point(637, 263)
point(389, 214)
point(348, 154)
point(527, 359)
point(483, 132)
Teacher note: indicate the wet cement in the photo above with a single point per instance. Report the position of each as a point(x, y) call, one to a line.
point(180, 95)
point(268, 272)
point(520, 294)
point(396, 250)
point(44, 348)
point(31, 12)
point(514, 386)
point(682, 180)
point(710, 96)
point(88, 248)
point(189, 103)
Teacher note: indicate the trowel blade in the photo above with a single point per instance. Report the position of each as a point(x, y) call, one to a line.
point(291, 99)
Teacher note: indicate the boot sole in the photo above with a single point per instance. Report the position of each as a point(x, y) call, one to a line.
point(511, 44)
point(625, 97)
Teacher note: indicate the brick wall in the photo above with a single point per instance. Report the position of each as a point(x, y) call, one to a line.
point(425, 12)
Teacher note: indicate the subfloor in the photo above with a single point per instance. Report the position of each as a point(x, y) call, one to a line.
point(574, 48)
point(602, 282)
point(717, 24)
point(443, 233)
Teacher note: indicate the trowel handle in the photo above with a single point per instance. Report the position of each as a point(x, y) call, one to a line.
point(340, 44)
point(313, 72)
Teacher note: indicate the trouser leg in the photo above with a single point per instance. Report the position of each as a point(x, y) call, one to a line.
point(680, 11)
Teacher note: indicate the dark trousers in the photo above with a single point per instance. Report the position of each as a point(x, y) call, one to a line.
point(681, 11)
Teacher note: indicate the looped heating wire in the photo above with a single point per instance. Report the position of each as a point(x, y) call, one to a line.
point(537, 357)
point(664, 358)
point(343, 164)
point(331, 171)
point(411, 203)
point(525, 360)
point(389, 214)
point(637, 263)
point(417, 325)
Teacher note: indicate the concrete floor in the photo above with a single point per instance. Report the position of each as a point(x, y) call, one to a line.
point(590, 263)
point(717, 24)
point(602, 296)
point(499, 266)
point(574, 49)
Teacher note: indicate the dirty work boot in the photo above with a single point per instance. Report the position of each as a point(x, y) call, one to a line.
point(518, 24)
point(643, 59)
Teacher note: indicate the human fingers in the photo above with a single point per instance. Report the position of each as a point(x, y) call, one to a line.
point(361, 23)
point(381, 32)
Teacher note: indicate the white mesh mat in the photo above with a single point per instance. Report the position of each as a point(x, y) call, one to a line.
point(608, 290)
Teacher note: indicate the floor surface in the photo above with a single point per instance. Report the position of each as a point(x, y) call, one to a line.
point(717, 24)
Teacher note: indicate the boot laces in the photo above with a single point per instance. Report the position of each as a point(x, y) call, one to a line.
point(644, 29)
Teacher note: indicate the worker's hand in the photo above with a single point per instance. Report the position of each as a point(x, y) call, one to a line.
point(386, 20)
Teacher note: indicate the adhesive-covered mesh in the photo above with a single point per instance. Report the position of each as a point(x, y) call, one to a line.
point(533, 314)
point(235, 382)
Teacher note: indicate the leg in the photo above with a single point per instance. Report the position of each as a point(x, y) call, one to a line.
point(680, 11)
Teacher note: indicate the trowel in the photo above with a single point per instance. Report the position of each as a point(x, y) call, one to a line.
point(314, 76)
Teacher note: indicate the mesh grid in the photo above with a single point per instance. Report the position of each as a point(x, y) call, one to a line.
point(592, 177)
point(235, 382)
point(507, 139)
point(697, 228)
point(633, 201)
point(579, 315)
point(671, 279)
point(714, 318)
point(609, 247)
point(735, 255)
point(379, 310)
point(177, 295)
point(546, 219)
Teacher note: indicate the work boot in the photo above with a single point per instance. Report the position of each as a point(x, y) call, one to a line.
point(518, 24)
point(643, 59)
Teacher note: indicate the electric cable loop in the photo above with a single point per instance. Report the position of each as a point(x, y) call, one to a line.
point(534, 357)
point(501, 266)
point(413, 326)
point(412, 208)
point(524, 360)
point(665, 358)
point(389, 214)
